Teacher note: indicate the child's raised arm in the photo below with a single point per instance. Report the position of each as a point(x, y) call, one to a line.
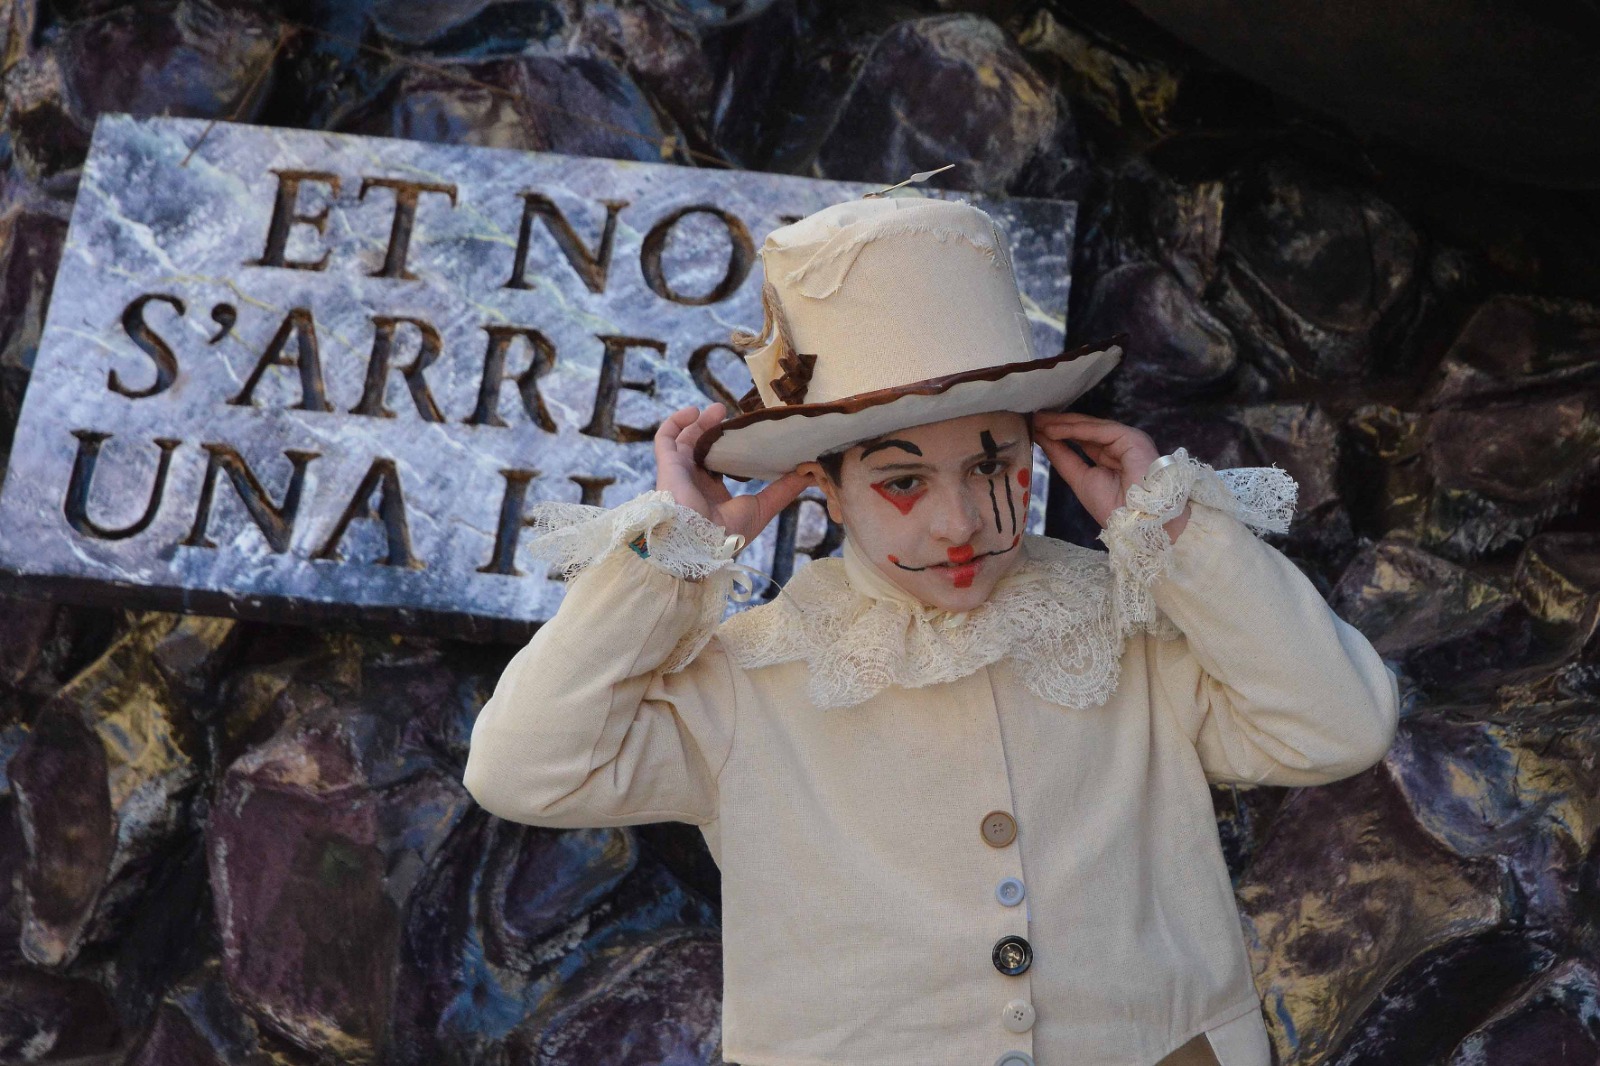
point(620, 709)
point(1270, 685)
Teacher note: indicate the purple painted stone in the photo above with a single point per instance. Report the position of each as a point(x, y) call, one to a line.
point(316, 841)
point(191, 58)
point(1320, 276)
point(1389, 467)
point(1558, 579)
point(45, 1017)
point(1504, 471)
point(26, 629)
point(31, 239)
point(1177, 350)
point(420, 21)
point(62, 769)
point(504, 918)
point(1513, 343)
point(538, 879)
point(104, 783)
point(11, 851)
point(1523, 790)
point(775, 76)
point(650, 1003)
point(199, 1024)
point(1555, 1022)
point(1474, 481)
point(662, 54)
point(1441, 622)
point(1299, 438)
point(1349, 902)
point(898, 119)
point(579, 105)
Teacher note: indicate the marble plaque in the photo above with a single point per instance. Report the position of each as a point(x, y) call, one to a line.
point(298, 376)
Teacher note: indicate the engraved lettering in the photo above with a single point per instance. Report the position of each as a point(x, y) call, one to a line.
point(741, 256)
point(76, 505)
point(286, 214)
point(487, 412)
point(591, 267)
point(604, 421)
point(428, 346)
point(276, 522)
point(150, 343)
point(508, 530)
point(298, 324)
point(406, 194)
point(381, 477)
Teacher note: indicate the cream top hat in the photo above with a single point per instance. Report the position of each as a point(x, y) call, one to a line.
point(883, 313)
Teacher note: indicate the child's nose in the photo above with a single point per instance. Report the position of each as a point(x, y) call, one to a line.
point(956, 516)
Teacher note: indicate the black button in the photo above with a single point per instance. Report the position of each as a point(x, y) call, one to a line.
point(1012, 955)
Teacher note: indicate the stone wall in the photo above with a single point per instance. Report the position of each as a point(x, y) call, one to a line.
point(227, 842)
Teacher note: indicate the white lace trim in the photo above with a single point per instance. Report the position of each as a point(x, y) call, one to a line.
point(1262, 497)
point(679, 539)
point(1052, 614)
point(1061, 615)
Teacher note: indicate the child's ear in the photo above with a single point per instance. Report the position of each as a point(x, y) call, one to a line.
point(819, 478)
point(813, 471)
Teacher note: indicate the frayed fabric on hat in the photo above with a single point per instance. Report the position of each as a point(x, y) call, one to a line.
point(879, 314)
point(822, 274)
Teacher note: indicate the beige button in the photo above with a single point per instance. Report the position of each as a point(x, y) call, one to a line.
point(999, 829)
point(1017, 1016)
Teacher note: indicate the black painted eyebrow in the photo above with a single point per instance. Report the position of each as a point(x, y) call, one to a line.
point(1007, 446)
point(892, 443)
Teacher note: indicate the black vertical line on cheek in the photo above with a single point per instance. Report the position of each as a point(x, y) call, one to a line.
point(991, 452)
point(1011, 508)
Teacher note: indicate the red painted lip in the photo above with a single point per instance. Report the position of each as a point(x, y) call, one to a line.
point(959, 570)
point(961, 576)
point(961, 554)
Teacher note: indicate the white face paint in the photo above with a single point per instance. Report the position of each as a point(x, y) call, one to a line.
point(938, 508)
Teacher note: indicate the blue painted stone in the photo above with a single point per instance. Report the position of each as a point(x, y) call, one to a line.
point(250, 308)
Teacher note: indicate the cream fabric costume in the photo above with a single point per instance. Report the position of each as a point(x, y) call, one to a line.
point(843, 748)
point(973, 839)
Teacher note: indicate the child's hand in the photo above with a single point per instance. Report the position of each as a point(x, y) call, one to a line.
point(694, 486)
point(1121, 455)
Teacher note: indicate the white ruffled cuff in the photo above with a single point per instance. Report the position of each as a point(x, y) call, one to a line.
point(677, 539)
point(1262, 497)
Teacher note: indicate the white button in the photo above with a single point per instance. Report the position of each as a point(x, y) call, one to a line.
point(1010, 891)
point(1014, 1058)
point(1017, 1016)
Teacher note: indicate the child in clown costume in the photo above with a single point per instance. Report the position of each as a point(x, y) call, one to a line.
point(955, 781)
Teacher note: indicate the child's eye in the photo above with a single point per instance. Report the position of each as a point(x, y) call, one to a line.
point(902, 484)
point(998, 465)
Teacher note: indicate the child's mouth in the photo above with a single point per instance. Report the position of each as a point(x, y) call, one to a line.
point(960, 573)
point(964, 570)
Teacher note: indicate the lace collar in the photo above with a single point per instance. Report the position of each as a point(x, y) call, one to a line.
point(1053, 615)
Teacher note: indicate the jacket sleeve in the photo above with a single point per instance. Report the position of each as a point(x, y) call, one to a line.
point(620, 708)
point(1270, 685)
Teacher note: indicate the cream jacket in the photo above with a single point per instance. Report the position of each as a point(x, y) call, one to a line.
point(877, 841)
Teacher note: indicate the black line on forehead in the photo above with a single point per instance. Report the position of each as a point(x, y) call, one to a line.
point(990, 450)
point(891, 443)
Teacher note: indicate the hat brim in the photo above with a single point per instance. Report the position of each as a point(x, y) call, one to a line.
point(770, 442)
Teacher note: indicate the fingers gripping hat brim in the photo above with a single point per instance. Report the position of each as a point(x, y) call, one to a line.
point(770, 442)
